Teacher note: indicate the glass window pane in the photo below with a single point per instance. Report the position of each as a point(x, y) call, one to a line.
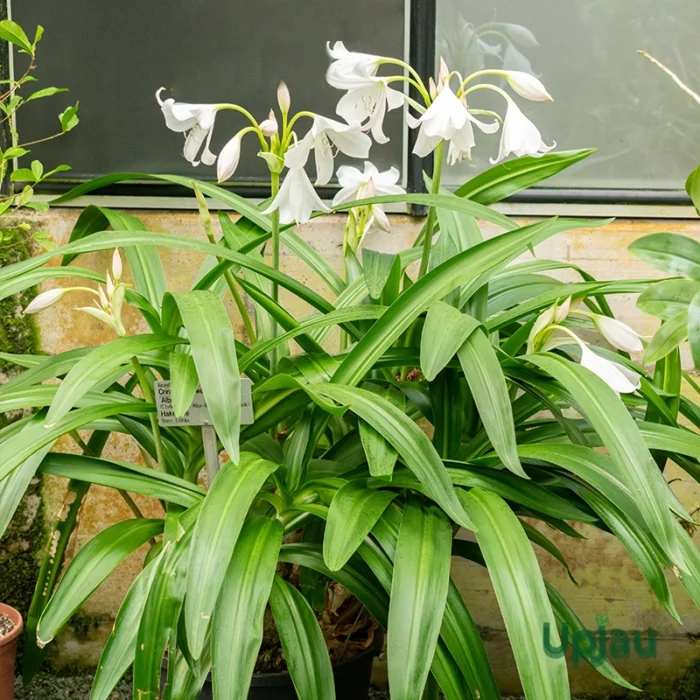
point(605, 94)
point(114, 55)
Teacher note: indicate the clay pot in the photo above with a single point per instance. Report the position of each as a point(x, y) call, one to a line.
point(8, 653)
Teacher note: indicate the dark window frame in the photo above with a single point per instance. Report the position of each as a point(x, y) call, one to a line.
point(422, 17)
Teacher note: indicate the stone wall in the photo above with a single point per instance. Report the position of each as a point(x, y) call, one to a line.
point(609, 583)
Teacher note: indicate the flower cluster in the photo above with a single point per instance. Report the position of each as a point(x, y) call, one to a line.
point(444, 115)
point(616, 375)
point(110, 298)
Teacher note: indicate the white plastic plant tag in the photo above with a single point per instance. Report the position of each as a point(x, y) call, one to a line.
point(198, 413)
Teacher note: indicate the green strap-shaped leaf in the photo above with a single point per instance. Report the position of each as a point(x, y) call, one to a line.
point(678, 255)
point(444, 333)
point(536, 537)
point(20, 446)
point(568, 617)
point(91, 220)
point(218, 526)
point(694, 329)
point(120, 649)
point(302, 642)
point(418, 594)
point(490, 392)
point(671, 334)
point(619, 433)
point(668, 298)
point(157, 630)
point(183, 382)
point(408, 440)
point(377, 268)
point(12, 286)
point(381, 456)
point(521, 594)
point(314, 260)
point(93, 563)
point(100, 364)
point(240, 611)
point(214, 351)
point(128, 477)
point(639, 545)
point(353, 513)
point(505, 179)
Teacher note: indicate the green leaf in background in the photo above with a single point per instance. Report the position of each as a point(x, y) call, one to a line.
point(418, 595)
point(353, 513)
point(377, 268)
point(240, 611)
point(521, 594)
point(120, 648)
point(91, 220)
point(69, 118)
point(91, 565)
point(445, 331)
point(302, 642)
point(668, 298)
point(694, 329)
point(503, 180)
point(214, 351)
point(671, 334)
point(45, 92)
point(183, 382)
point(678, 255)
point(219, 523)
point(692, 187)
point(490, 393)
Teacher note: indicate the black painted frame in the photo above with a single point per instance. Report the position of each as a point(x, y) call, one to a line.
point(422, 41)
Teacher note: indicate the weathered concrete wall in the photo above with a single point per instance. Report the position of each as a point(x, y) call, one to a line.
point(609, 582)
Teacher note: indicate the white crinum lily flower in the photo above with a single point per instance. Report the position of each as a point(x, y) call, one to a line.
point(349, 68)
point(368, 103)
point(616, 376)
point(526, 85)
point(618, 334)
point(356, 184)
point(228, 159)
point(520, 136)
point(447, 119)
point(297, 199)
point(194, 120)
point(45, 300)
point(324, 135)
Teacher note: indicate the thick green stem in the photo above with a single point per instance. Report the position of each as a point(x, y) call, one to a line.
point(148, 396)
point(275, 217)
point(432, 212)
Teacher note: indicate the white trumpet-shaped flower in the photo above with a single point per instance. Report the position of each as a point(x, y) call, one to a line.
point(349, 68)
point(520, 136)
point(196, 121)
point(368, 102)
point(463, 141)
point(228, 159)
point(325, 135)
point(441, 121)
point(356, 184)
point(45, 300)
point(616, 376)
point(618, 334)
point(297, 199)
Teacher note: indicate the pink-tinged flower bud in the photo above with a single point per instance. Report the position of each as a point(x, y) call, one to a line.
point(527, 85)
point(284, 99)
point(116, 265)
point(44, 300)
point(269, 126)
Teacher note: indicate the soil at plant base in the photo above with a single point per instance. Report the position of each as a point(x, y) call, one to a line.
point(6, 625)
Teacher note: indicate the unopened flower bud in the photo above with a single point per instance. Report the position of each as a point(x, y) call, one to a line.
point(269, 126)
point(228, 159)
point(284, 99)
point(116, 265)
point(444, 73)
point(432, 89)
point(527, 85)
point(44, 300)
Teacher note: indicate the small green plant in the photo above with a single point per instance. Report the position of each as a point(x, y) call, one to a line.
point(331, 478)
point(16, 93)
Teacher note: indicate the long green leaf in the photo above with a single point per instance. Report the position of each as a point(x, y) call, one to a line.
point(120, 648)
point(93, 563)
point(678, 255)
point(214, 351)
point(183, 382)
point(617, 429)
point(521, 594)
point(99, 365)
point(671, 334)
point(302, 642)
point(353, 513)
point(418, 595)
point(503, 180)
point(668, 298)
point(240, 611)
point(218, 526)
point(407, 439)
point(490, 392)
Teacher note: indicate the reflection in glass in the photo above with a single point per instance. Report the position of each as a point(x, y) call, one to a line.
point(606, 95)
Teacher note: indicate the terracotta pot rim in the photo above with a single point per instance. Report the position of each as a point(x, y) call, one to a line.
point(17, 619)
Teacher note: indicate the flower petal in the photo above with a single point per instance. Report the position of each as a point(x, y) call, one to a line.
point(609, 372)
